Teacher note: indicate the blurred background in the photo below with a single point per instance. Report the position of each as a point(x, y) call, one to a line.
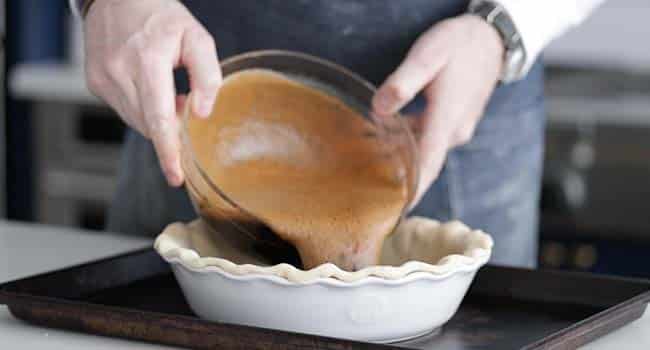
point(59, 145)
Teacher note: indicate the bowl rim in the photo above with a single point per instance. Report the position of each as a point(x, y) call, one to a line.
point(187, 112)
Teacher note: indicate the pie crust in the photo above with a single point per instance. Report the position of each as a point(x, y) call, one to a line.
point(418, 245)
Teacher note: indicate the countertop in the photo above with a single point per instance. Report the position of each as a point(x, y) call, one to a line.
point(27, 249)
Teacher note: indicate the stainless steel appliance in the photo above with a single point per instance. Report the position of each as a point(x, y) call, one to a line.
point(597, 170)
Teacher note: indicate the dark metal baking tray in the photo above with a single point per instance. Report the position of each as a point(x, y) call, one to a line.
point(135, 296)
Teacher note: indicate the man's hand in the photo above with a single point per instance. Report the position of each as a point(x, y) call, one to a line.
point(456, 64)
point(132, 48)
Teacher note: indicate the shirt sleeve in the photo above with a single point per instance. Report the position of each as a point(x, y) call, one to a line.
point(539, 22)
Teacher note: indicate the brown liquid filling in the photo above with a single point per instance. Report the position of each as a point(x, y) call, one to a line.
point(305, 164)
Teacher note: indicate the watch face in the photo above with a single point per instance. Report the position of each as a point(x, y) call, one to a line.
point(513, 64)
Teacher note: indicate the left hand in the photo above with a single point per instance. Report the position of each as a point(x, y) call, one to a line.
point(456, 64)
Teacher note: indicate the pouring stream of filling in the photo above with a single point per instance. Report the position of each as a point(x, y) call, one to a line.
point(303, 163)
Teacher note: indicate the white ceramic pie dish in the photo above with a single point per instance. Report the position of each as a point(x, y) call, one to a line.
point(433, 265)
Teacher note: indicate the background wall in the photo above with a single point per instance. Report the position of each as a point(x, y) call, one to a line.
point(616, 36)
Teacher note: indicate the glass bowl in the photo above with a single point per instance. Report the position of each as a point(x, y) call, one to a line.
point(222, 211)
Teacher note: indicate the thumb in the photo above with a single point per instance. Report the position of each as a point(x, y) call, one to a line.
point(433, 143)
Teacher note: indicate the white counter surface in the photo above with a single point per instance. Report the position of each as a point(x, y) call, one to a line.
point(30, 249)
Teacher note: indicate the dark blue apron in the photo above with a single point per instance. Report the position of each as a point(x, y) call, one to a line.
point(370, 38)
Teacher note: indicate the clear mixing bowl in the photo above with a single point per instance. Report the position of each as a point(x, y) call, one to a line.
point(221, 210)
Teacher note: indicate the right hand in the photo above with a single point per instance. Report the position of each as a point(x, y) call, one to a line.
point(132, 48)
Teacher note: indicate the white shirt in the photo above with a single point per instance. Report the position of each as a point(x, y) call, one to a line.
point(540, 21)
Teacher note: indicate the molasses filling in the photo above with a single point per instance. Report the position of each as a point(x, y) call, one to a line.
point(303, 163)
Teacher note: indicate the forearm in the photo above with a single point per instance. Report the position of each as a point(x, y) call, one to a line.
point(539, 22)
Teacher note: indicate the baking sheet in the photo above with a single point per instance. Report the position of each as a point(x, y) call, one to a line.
point(135, 296)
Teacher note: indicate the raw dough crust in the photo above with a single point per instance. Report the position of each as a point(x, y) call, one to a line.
point(418, 245)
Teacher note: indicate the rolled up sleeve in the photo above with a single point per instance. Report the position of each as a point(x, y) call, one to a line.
point(539, 22)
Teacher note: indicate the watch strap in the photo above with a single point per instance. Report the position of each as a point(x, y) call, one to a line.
point(81, 7)
point(515, 54)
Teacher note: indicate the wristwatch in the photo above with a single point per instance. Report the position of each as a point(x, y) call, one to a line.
point(80, 7)
point(515, 53)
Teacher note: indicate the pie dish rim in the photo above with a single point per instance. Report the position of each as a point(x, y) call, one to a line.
point(472, 258)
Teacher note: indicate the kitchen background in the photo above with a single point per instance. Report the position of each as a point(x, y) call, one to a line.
point(60, 145)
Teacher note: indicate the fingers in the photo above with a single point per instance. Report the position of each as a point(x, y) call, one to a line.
point(199, 55)
point(164, 136)
point(113, 83)
point(436, 132)
point(131, 50)
point(148, 105)
point(432, 144)
point(423, 62)
point(180, 104)
point(156, 92)
point(444, 124)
